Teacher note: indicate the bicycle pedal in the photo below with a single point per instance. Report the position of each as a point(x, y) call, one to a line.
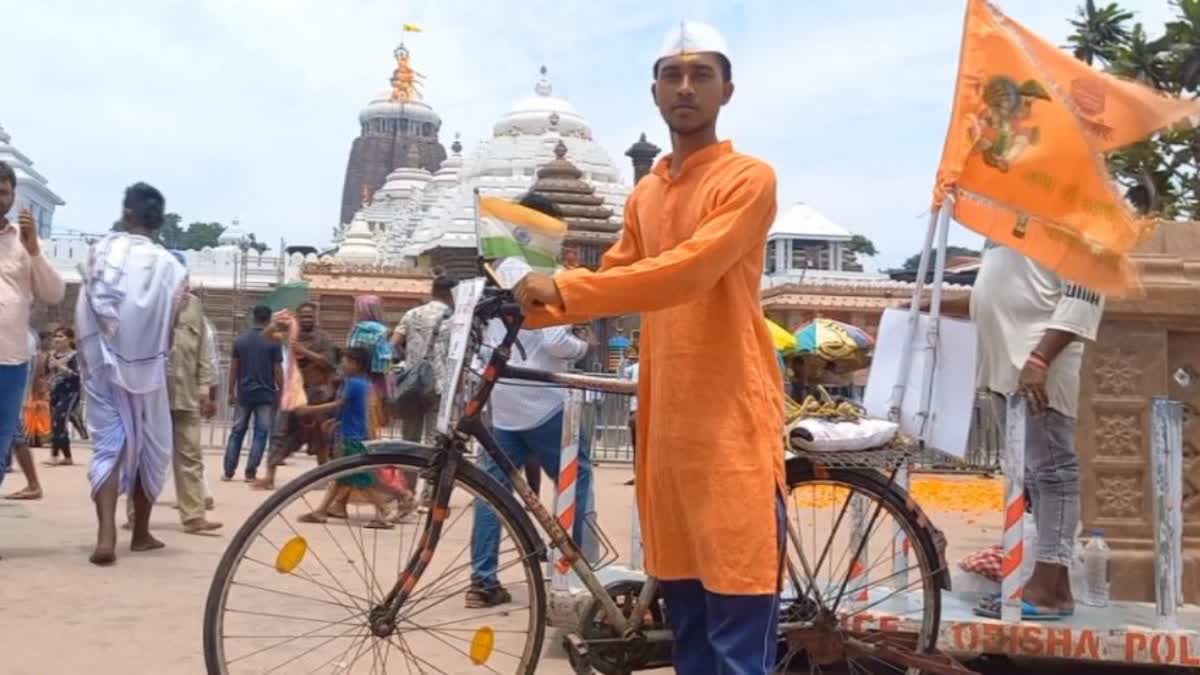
point(578, 654)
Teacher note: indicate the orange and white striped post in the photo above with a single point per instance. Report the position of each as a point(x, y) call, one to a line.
point(858, 571)
point(1011, 586)
point(565, 493)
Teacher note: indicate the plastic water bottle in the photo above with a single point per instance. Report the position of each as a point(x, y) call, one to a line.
point(1097, 565)
point(1077, 574)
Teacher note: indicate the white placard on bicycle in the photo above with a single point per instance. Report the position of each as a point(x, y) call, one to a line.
point(466, 297)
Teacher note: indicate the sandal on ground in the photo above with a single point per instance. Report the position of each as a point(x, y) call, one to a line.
point(990, 608)
point(314, 518)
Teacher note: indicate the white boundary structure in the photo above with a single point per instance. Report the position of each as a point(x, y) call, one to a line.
point(1166, 467)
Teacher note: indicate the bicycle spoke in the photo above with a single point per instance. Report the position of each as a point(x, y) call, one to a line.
point(288, 617)
point(325, 587)
point(365, 636)
point(289, 640)
point(277, 625)
point(305, 653)
point(316, 555)
point(293, 595)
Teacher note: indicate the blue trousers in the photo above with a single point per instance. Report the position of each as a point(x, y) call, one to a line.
point(545, 443)
point(264, 416)
point(717, 634)
point(12, 401)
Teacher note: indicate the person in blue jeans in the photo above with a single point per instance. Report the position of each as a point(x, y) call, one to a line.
point(527, 422)
point(256, 378)
point(25, 275)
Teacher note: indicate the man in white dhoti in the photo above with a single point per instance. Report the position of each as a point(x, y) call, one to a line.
point(132, 288)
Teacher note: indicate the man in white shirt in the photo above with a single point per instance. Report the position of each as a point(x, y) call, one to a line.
point(527, 421)
point(631, 373)
point(1032, 327)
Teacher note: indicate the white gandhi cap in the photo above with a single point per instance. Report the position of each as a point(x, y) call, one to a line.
point(692, 37)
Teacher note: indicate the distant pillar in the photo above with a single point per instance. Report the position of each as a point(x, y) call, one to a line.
point(642, 153)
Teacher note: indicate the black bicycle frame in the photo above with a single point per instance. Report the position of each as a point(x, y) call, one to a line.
point(471, 425)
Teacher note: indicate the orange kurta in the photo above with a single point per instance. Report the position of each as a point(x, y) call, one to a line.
point(710, 451)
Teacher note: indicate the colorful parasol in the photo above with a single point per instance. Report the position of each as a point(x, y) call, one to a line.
point(785, 342)
point(834, 341)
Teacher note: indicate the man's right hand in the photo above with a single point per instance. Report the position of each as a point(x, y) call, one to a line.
point(29, 233)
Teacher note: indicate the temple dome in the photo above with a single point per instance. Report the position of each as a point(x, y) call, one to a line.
point(524, 140)
point(383, 107)
point(233, 236)
point(33, 190)
point(541, 113)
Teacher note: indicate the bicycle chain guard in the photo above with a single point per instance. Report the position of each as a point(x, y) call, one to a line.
point(602, 648)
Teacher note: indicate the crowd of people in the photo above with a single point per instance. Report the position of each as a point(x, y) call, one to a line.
point(147, 392)
point(690, 255)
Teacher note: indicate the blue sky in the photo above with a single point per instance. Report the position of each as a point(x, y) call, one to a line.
point(247, 109)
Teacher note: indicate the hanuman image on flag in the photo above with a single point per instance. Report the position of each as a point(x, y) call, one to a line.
point(1001, 130)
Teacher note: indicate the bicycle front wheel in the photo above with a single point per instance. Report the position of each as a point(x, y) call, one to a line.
point(293, 594)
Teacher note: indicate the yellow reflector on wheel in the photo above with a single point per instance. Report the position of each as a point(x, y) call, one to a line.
point(290, 555)
point(482, 644)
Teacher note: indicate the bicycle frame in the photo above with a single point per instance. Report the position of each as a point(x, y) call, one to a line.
point(471, 425)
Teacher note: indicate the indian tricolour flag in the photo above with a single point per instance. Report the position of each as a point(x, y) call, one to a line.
point(507, 229)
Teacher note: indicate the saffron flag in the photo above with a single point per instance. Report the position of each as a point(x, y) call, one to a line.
point(1024, 153)
point(412, 28)
point(507, 229)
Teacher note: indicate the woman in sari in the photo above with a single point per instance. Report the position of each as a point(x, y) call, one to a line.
point(370, 333)
point(63, 367)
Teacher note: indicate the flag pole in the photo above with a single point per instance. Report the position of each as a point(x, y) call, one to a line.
point(914, 313)
point(933, 331)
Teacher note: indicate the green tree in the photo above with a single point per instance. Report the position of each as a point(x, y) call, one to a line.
point(912, 263)
point(1099, 33)
point(202, 235)
point(1160, 175)
point(170, 234)
point(863, 246)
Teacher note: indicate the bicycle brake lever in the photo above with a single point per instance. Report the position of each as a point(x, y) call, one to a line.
point(521, 349)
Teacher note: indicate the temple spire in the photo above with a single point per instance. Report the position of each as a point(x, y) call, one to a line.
point(543, 86)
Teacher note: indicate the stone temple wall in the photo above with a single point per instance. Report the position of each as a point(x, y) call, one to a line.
point(1147, 346)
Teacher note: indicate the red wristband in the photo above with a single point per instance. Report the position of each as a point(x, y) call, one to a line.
point(1038, 360)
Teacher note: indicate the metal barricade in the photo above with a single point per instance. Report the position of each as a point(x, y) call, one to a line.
point(608, 417)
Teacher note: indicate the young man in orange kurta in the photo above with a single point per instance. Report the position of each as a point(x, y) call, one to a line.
point(710, 455)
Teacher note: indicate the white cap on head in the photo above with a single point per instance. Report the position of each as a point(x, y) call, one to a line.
point(692, 37)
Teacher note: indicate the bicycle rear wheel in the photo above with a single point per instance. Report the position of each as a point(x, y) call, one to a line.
point(291, 596)
point(863, 577)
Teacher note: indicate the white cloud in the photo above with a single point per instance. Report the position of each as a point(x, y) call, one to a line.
point(248, 109)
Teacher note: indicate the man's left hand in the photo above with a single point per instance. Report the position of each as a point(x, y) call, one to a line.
point(1032, 383)
point(537, 289)
point(207, 408)
point(29, 233)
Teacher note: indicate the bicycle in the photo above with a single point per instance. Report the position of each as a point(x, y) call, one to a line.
point(401, 613)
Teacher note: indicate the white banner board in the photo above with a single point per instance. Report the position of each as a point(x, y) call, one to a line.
point(953, 401)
